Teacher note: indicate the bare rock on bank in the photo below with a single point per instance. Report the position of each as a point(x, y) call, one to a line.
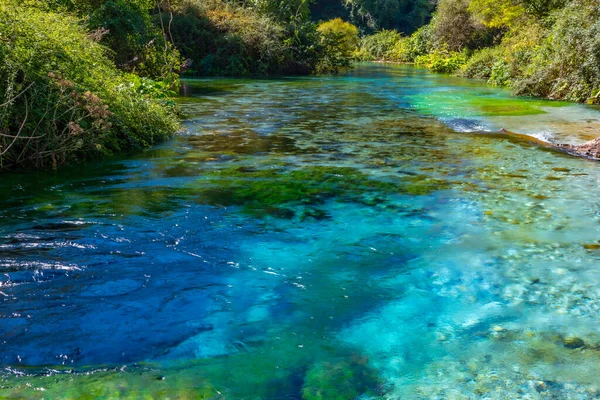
point(590, 149)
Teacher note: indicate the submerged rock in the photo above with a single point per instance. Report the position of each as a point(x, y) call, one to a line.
point(592, 246)
point(572, 342)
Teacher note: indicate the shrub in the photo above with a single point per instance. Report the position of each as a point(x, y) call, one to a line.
point(62, 99)
point(442, 60)
point(344, 33)
point(381, 44)
point(400, 51)
point(498, 13)
point(541, 8)
point(225, 39)
point(500, 74)
point(402, 15)
point(128, 28)
point(454, 26)
point(305, 50)
point(340, 40)
point(566, 65)
point(419, 43)
point(482, 63)
point(296, 11)
point(361, 54)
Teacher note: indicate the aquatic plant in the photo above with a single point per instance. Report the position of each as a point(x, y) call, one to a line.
point(280, 191)
point(342, 380)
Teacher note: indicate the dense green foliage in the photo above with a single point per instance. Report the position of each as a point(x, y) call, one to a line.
point(137, 43)
point(259, 37)
point(129, 28)
point(442, 60)
point(88, 77)
point(403, 15)
point(222, 39)
point(340, 40)
point(565, 63)
point(379, 46)
point(85, 78)
point(546, 48)
point(63, 99)
point(457, 29)
point(321, 10)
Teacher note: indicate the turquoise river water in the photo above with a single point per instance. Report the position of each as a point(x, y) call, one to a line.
point(365, 236)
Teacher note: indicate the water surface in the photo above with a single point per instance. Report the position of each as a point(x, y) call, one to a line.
point(361, 236)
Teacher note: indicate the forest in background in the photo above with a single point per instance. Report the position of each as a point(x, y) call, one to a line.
point(541, 48)
point(85, 78)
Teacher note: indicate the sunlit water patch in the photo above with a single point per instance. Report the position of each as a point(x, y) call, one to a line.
point(362, 236)
point(471, 107)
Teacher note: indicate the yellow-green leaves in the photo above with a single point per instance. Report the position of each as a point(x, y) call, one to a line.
point(497, 13)
point(346, 34)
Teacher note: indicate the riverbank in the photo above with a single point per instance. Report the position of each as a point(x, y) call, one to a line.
point(62, 100)
point(547, 52)
point(87, 79)
point(589, 150)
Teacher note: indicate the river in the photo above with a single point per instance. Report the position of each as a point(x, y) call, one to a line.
point(368, 235)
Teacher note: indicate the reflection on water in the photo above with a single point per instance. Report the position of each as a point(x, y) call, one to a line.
point(317, 238)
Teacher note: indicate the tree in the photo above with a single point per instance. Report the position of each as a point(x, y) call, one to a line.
point(340, 40)
point(498, 13)
point(541, 8)
point(403, 15)
point(282, 10)
point(345, 33)
point(455, 27)
point(322, 10)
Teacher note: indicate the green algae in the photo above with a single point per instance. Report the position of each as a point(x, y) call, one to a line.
point(274, 188)
point(132, 382)
point(509, 108)
point(340, 380)
point(311, 371)
point(423, 185)
point(271, 189)
point(466, 104)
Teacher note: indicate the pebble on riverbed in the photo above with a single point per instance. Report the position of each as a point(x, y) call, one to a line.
point(572, 342)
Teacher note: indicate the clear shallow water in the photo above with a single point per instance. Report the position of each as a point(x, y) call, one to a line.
point(329, 237)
